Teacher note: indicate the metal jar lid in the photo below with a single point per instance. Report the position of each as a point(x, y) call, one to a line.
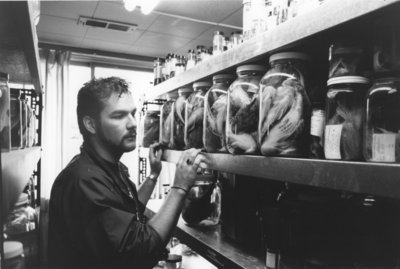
point(289, 55)
point(348, 79)
point(12, 249)
point(202, 84)
point(251, 67)
point(185, 90)
point(224, 76)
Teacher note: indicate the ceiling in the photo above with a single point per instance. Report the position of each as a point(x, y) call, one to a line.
point(170, 28)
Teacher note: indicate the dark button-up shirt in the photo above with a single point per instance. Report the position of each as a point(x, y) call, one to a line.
point(96, 220)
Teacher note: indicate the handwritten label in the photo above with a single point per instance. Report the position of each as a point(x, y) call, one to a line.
point(333, 134)
point(383, 147)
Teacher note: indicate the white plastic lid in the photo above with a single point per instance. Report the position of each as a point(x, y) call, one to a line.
point(202, 84)
point(289, 55)
point(224, 76)
point(348, 79)
point(251, 67)
point(185, 90)
point(12, 249)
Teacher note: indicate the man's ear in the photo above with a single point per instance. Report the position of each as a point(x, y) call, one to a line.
point(89, 124)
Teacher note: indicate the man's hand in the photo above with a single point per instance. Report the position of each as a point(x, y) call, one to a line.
point(155, 159)
point(186, 168)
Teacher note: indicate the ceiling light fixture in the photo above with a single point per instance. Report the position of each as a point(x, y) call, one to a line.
point(146, 6)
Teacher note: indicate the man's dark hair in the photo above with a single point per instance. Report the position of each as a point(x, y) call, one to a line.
point(92, 96)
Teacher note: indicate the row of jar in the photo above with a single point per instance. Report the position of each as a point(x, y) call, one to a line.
point(271, 115)
point(18, 119)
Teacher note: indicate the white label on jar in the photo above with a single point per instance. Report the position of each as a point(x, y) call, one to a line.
point(383, 147)
point(333, 134)
point(317, 123)
point(271, 260)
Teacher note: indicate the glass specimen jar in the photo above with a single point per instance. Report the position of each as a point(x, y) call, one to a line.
point(382, 125)
point(151, 125)
point(178, 130)
point(194, 115)
point(345, 104)
point(215, 113)
point(284, 106)
point(242, 110)
point(166, 119)
point(16, 119)
point(5, 121)
point(346, 59)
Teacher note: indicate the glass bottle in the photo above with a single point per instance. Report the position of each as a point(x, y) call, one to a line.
point(158, 62)
point(166, 120)
point(24, 122)
point(191, 59)
point(236, 39)
point(178, 108)
point(382, 125)
point(344, 118)
point(346, 59)
point(194, 115)
point(5, 121)
point(284, 106)
point(215, 113)
point(243, 110)
point(218, 42)
point(151, 125)
point(16, 119)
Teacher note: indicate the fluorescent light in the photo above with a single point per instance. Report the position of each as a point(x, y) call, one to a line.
point(147, 6)
point(130, 5)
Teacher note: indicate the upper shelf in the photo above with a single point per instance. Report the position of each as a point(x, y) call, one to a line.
point(19, 54)
point(16, 168)
point(327, 16)
point(359, 177)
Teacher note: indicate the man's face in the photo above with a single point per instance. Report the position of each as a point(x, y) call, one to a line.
point(116, 126)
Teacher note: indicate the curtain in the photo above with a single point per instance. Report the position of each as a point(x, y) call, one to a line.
point(56, 64)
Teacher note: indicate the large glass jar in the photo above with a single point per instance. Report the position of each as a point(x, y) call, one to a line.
point(345, 105)
point(242, 110)
point(14, 255)
point(203, 204)
point(386, 47)
point(178, 130)
point(346, 59)
point(215, 113)
point(5, 134)
point(24, 122)
point(16, 119)
point(194, 115)
point(382, 125)
point(151, 125)
point(284, 106)
point(166, 120)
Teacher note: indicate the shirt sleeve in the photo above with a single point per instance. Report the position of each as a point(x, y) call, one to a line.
point(113, 232)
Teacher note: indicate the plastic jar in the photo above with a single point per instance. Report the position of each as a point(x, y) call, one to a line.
point(203, 203)
point(5, 121)
point(284, 106)
point(382, 125)
point(218, 42)
point(151, 125)
point(215, 113)
point(14, 255)
point(166, 119)
point(346, 60)
point(242, 110)
point(345, 105)
point(178, 130)
point(194, 115)
point(16, 119)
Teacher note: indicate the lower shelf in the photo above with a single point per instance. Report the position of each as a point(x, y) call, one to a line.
point(212, 244)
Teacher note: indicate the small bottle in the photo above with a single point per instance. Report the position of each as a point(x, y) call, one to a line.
point(218, 42)
point(191, 59)
point(157, 71)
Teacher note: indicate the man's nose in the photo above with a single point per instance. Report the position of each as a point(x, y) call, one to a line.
point(131, 122)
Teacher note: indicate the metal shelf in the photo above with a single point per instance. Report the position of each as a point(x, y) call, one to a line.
point(331, 14)
point(19, 52)
point(212, 244)
point(16, 168)
point(359, 177)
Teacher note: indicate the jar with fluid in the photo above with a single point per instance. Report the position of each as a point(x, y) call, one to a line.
point(284, 106)
point(166, 120)
point(215, 113)
point(178, 110)
point(382, 126)
point(24, 122)
point(344, 118)
point(16, 119)
point(346, 59)
point(5, 121)
point(194, 115)
point(151, 125)
point(202, 206)
point(243, 110)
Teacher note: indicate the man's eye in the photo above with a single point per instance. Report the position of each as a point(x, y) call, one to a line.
point(118, 116)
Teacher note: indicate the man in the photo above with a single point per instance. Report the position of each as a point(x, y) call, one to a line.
point(96, 214)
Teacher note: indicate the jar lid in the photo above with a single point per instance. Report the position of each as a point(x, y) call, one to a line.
point(153, 107)
point(289, 55)
point(202, 84)
point(348, 79)
point(251, 67)
point(23, 199)
point(185, 90)
point(4, 76)
point(12, 249)
point(224, 76)
point(174, 258)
